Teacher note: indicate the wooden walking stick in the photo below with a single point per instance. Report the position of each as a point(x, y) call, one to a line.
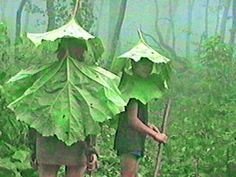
point(161, 145)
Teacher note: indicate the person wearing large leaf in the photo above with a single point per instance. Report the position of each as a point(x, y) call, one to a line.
point(64, 101)
point(145, 76)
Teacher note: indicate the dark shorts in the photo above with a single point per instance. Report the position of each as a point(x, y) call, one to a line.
point(136, 153)
point(51, 151)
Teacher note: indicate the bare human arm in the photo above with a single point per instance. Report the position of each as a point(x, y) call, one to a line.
point(137, 124)
point(92, 155)
point(154, 128)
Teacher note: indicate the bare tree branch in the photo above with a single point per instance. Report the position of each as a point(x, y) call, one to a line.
point(117, 31)
point(171, 30)
point(189, 30)
point(159, 34)
point(233, 30)
point(51, 15)
point(206, 17)
point(218, 17)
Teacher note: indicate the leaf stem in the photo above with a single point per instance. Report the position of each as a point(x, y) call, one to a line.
point(76, 8)
point(140, 33)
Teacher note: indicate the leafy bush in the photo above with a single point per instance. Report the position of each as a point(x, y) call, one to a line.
point(202, 131)
point(14, 142)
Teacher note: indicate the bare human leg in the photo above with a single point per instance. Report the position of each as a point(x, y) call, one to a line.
point(46, 170)
point(129, 165)
point(75, 171)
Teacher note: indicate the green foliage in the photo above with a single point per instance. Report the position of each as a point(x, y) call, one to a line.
point(14, 134)
point(215, 53)
point(15, 155)
point(143, 89)
point(16, 164)
point(202, 133)
point(109, 162)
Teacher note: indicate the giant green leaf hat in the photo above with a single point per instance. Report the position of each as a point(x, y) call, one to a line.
point(143, 50)
point(67, 98)
point(70, 30)
point(139, 88)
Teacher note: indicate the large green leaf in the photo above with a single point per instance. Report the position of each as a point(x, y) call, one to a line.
point(71, 30)
point(143, 89)
point(142, 50)
point(67, 99)
point(18, 84)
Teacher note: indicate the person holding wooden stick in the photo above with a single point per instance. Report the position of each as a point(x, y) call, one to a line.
point(138, 86)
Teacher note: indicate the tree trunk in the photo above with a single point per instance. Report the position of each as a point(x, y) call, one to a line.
point(172, 12)
point(170, 33)
point(26, 22)
point(206, 17)
point(116, 33)
point(2, 9)
point(224, 19)
point(18, 18)
point(233, 30)
point(189, 30)
point(51, 15)
point(218, 17)
point(99, 16)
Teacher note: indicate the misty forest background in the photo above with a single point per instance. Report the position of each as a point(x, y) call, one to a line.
point(197, 35)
